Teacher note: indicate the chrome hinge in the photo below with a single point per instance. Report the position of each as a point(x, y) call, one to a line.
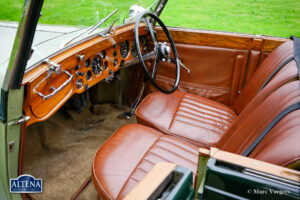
point(22, 120)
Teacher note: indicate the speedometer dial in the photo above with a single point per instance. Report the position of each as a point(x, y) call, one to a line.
point(124, 49)
point(97, 65)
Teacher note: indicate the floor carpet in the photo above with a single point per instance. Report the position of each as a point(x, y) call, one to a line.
point(61, 149)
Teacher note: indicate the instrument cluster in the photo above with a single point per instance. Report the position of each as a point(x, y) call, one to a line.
point(74, 70)
point(92, 69)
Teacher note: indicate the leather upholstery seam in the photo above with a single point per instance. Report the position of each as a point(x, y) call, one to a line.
point(137, 166)
point(93, 167)
point(291, 161)
point(175, 154)
point(192, 111)
point(176, 111)
point(197, 86)
point(210, 130)
point(180, 147)
point(208, 102)
point(204, 119)
point(159, 128)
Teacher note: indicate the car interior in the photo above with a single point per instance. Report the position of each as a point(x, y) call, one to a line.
point(128, 100)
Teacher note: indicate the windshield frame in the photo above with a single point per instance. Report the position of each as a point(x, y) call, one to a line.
point(156, 8)
point(22, 44)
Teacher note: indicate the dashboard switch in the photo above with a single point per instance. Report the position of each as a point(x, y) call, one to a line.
point(78, 73)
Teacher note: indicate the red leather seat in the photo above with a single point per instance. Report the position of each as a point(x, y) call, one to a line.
point(126, 157)
point(202, 121)
point(185, 116)
point(130, 154)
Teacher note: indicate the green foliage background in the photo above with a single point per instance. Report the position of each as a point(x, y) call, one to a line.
point(264, 17)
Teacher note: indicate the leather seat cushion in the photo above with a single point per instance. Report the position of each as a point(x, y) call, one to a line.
point(130, 153)
point(196, 119)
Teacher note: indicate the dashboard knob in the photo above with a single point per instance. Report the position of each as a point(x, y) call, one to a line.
point(78, 73)
point(79, 83)
point(81, 57)
point(77, 67)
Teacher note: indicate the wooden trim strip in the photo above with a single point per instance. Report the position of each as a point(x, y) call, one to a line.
point(222, 39)
point(148, 185)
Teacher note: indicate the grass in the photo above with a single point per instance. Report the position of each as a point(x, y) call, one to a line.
point(264, 17)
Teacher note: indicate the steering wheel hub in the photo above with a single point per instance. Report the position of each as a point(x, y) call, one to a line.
point(164, 51)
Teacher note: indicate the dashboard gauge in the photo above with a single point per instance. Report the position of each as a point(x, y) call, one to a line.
point(124, 49)
point(96, 65)
point(143, 40)
point(103, 54)
point(133, 49)
point(88, 75)
point(115, 62)
point(115, 53)
point(105, 65)
point(87, 62)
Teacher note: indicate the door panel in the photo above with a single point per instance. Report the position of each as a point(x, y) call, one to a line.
point(214, 71)
point(221, 63)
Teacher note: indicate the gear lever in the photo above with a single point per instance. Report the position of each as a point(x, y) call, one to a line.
point(130, 113)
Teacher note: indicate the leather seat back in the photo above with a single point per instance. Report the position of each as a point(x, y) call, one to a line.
point(269, 65)
point(281, 145)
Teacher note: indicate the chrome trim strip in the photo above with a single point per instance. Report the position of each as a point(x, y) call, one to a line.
point(271, 177)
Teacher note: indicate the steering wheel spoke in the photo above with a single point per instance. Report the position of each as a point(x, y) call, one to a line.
point(154, 70)
point(151, 32)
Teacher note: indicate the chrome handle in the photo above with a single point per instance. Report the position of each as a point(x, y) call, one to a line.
point(184, 67)
point(181, 65)
point(55, 91)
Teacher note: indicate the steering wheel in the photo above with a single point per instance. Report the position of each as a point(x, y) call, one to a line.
point(161, 50)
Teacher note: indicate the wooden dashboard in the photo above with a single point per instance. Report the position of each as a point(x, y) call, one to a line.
point(50, 84)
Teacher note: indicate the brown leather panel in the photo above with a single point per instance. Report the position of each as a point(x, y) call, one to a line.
point(210, 66)
point(159, 109)
point(237, 79)
point(254, 58)
point(131, 153)
point(286, 74)
point(218, 94)
point(199, 120)
point(110, 159)
point(239, 139)
point(278, 56)
point(281, 145)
